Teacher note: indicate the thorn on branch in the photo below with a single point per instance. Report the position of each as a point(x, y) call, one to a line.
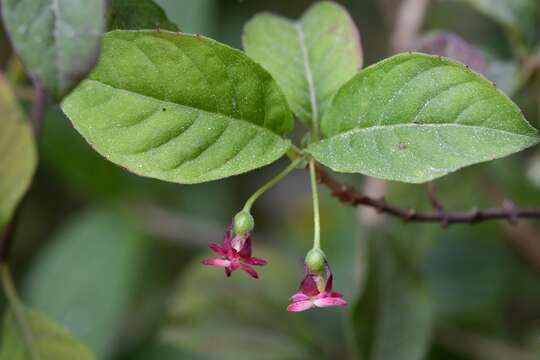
point(411, 213)
point(512, 211)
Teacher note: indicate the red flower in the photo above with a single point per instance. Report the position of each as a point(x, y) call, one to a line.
point(235, 254)
point(316, 291)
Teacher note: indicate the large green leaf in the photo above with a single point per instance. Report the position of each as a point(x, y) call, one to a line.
point(518, 15)
point(310, 58)
point(57, 40)
point(52, 341)
point(416, 117)
point(138, 14)
point(105, 255)
point(179, 107)
point(17, 153)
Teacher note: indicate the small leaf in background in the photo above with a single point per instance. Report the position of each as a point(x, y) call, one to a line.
point(416, 117)
point(138, 15)
point(195, 17)
point(241, 318)
point(454, 47)
point(58, 41)
point(53, 342)
point(310, 58)
point(86, 278)
point(180, 107)
point(470, 272)
point(393, 317)
point(17, 153)
point(517, 15)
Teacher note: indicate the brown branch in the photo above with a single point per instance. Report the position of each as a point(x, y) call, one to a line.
point(433, 198)
point(349, 195)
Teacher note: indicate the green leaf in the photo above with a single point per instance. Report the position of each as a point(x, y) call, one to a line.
point(310, 58)
point(416, 117)
point(85, 279)
point(138, 14)
point(394, 316)
point(58, 41)
point(180, 107)
point(517, 15)
point(17, 153)
point(53, 342)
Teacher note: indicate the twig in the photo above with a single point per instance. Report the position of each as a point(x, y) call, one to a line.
point(433, 198)
point(9, 234)
point(349, 195)
point(18, 311)
point(39, 104)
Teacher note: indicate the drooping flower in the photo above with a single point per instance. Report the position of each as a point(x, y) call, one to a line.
point(316, 288)
point(235, 252)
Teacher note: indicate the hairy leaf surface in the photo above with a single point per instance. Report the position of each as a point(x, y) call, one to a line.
point(310, 58)
point(180, 107)
point(416, 117)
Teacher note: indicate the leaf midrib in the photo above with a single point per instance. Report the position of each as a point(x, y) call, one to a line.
point(386, 127)
point(309, 74)
point(259, 127)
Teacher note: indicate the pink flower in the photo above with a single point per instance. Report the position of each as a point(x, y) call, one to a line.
point(235, 254)
point(316, 291)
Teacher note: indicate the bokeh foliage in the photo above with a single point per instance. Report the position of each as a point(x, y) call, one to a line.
point(94, 257)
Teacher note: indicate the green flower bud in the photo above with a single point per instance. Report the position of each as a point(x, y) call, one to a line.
point(243, 223)
point(315, 260)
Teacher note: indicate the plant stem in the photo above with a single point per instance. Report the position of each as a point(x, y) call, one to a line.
point(18, 310)
point(316, 215)
point(249, 203)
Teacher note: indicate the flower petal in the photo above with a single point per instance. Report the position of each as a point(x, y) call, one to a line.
point(235, 265)
point(217, 262)
point(250, 270)
point(300, 306)
point(217, 249)
point(256, 261)
point(245, 246)
point(330, 277)
point(330, 301)
point(326, 294)
point(299, 297)
point(226, 242)
point(308, 286)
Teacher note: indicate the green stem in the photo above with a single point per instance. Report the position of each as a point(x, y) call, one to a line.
point(316, 215)
point(18, 310)
point(249, 203)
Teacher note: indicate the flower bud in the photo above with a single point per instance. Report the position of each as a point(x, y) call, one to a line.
point(243, 223)
point(315, 260)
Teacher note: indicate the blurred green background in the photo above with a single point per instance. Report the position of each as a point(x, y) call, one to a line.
point(115, 258)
